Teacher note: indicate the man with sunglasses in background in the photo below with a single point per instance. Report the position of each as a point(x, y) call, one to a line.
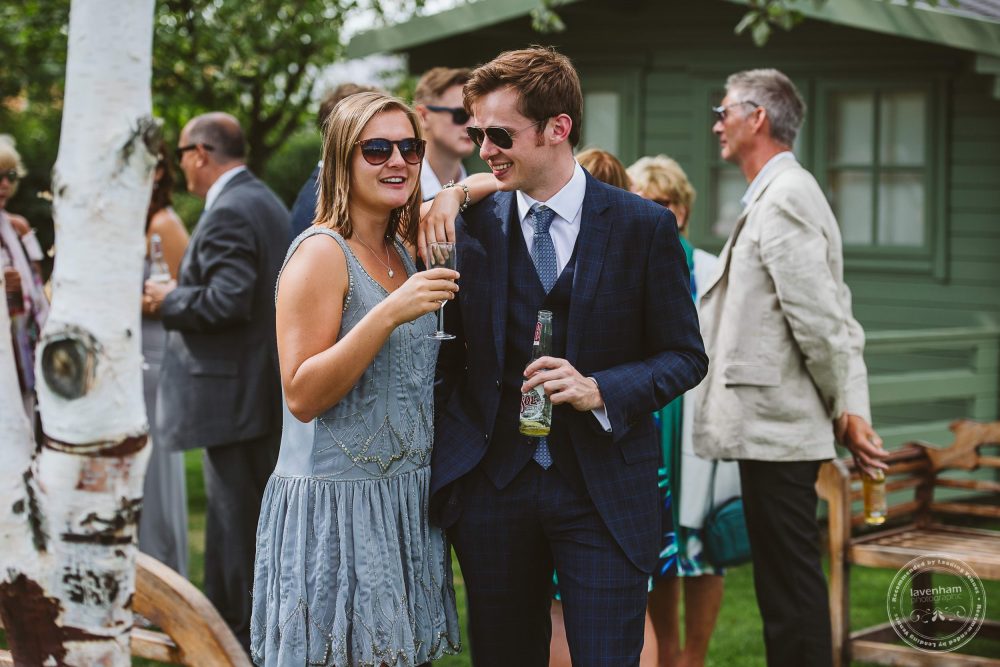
point(219, 387)
point(584, 499)
point(787, 375)
point(438, 103)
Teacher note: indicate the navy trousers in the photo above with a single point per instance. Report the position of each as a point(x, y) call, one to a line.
point(509, 540)
point(779, 500)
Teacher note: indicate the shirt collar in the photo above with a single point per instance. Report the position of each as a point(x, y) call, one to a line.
point(566, 203)
point(759, 178)
point(220, 182)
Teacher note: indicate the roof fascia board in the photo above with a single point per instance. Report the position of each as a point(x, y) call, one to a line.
point(922, 23)
point(424, 29)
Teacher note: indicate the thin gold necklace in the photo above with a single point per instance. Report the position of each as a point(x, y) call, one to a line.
point(385, 263)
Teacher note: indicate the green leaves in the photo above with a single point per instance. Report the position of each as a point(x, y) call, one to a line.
point(545, 20)
point(765, 15)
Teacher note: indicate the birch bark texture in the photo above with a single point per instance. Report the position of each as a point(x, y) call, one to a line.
point(68, 512)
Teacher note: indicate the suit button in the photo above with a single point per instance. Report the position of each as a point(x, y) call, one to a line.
point(487, 437)
point(498, 384)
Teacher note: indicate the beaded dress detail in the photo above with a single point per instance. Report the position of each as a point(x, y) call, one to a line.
point(348, 569)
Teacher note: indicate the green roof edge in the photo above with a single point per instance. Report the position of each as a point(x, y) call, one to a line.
point(455, 21)
point(926, 24)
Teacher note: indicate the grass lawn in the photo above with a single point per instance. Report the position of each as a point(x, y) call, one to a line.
point(737, 640)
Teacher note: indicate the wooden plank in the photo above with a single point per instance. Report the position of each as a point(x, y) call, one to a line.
point(969, 509)
point(975, 484)
point(155, 646)
point(891, 654)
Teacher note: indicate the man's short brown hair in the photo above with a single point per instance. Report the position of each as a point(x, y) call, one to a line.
point(546, 83)
point(437, 80)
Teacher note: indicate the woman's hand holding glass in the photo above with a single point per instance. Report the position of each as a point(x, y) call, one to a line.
point(422, 293)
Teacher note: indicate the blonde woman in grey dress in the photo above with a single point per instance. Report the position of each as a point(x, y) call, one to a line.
point(348, 569)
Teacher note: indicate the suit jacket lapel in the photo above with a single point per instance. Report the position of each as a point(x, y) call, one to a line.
point(591, 244)
point(497, 250)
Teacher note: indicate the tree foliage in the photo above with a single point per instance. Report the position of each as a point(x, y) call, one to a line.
point(257, 59)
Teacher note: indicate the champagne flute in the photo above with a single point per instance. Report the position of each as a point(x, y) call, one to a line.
point(443, 255)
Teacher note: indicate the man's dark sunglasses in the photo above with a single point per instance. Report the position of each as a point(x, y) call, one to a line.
point(11, 175)
point(378, 151)
point(190, 147)
point(459, 116)
point(501, 136)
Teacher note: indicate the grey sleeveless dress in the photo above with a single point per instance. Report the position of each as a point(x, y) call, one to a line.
point(348, 570)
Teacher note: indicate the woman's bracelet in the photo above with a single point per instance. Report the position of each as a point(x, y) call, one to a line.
point(465, 189)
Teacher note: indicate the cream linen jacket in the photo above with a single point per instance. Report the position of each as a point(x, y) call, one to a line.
point(785, 352)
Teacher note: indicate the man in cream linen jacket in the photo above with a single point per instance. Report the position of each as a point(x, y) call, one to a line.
point(786, 371)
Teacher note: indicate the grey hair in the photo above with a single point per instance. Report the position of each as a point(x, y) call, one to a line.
point(774, 91)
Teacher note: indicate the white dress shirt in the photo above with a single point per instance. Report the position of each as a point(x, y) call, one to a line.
point(220, 182)
point(430, 184)
point(568, 207)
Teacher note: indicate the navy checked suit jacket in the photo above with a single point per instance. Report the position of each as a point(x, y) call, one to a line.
point(632, 326)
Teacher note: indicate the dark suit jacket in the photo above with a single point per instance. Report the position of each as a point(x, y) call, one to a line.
point(632, 326)
point(304, 208)
point(219, 380)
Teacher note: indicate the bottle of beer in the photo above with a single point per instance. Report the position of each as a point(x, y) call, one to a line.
point(874, 496)
point(159, 272)
point(536, 408)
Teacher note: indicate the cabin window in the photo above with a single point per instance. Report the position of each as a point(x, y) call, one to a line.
point(602, 122)
point(876, 166)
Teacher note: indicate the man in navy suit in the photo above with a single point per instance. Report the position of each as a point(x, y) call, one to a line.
point(584, 500)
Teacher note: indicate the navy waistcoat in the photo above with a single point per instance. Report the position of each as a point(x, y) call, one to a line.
point(510, 451)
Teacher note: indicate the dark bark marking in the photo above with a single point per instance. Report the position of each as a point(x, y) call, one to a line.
point(86, 586)
point(100, 449)
point(38, 537)
point(109, 531)
point(30, 619)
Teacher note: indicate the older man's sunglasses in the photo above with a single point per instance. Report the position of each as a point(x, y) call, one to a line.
point(500, 136)
point(459, 116)
point(378, 151)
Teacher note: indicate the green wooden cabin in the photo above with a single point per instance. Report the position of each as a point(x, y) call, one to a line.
point(902, 132)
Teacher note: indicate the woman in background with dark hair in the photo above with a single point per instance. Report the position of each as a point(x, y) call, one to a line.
point(163, 522)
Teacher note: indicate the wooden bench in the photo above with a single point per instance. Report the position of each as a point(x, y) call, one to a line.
point(916, 527)
point(192, 633)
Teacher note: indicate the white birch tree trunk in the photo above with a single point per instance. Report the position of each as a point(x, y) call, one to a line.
point(68, 512)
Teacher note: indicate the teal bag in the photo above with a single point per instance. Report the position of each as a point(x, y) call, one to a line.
point(724, 536)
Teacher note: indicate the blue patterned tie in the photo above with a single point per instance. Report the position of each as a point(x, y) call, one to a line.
point(543, 254)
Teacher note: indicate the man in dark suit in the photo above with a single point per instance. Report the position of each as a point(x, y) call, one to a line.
point(219, 386)
point(584, 500)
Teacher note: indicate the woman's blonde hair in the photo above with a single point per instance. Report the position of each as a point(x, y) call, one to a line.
point(662, 180)
point(341, 133)
point(11, 159)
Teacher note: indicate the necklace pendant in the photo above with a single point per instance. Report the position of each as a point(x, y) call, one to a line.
point(391, 273)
